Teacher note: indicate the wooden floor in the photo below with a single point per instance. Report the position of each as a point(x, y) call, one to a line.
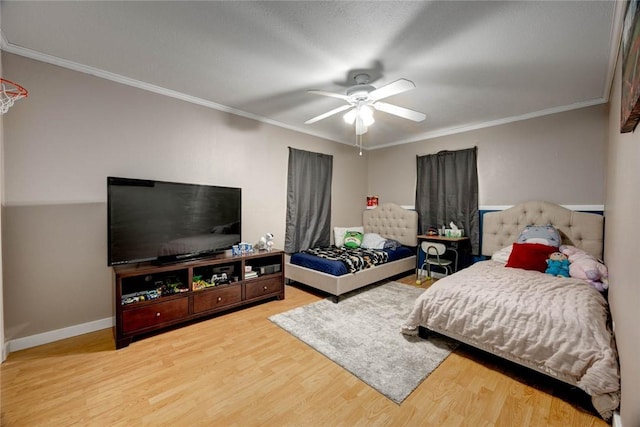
point(241, 370)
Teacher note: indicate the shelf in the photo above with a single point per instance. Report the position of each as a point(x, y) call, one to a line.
point(150, 298)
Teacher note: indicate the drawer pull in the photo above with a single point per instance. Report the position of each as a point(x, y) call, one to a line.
point(158, 314)
point(265, 288)
point(219, 299)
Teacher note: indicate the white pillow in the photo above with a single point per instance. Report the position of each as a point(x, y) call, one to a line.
point(373, 241)
point(502, 255)
point(339, 232)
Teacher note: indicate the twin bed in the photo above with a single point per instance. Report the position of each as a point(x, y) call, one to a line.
point(559, 326)
point(389, 221)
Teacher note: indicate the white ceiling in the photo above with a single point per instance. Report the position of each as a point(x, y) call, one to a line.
point(474, 63)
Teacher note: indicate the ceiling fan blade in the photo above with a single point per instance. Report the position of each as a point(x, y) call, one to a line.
point(327, 114)
point(331, 94)
point(405, 113)
point(392, 88)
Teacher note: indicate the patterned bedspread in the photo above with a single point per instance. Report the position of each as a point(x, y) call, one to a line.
point(354, 259)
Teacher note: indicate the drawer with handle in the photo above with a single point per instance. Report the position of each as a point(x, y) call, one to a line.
point(263, 287)
point(211, 299)
point(154, 314)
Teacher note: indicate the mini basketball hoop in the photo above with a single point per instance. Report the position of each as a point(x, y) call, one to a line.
point(10, 92)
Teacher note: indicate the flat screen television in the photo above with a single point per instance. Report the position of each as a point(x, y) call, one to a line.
point(168, 221)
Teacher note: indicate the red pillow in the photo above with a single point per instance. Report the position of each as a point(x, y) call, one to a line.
point(530, 256)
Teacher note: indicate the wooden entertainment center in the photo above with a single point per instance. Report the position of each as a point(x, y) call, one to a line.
point(153, 297)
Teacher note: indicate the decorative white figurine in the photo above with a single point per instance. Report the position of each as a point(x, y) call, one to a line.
point(269, 239)
point(266, 242)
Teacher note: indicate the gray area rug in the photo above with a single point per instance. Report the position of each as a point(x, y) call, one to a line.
point(361, 333)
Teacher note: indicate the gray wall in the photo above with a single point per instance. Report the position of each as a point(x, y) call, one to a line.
point(55, 267)
point(622, 235)
point(74, 130)
point(558, 158)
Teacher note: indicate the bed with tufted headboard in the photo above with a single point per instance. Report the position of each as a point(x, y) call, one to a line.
point(390, 222)
point(580, 229)
point(509, 306)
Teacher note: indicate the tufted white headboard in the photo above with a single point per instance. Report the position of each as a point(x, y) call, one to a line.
point(392, 222)
point(580, 229)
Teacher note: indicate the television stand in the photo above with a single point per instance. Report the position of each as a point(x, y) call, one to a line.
point(151, 298)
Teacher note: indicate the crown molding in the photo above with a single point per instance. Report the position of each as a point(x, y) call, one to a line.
point(506, 120)
point(50, 59)
point(71, 65)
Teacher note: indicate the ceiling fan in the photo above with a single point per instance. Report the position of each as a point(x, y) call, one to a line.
point(362, 97)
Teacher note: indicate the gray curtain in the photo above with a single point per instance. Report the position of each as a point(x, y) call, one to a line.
point(308, 200)
point(447, 190)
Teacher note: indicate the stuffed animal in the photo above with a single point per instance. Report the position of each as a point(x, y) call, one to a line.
point(586, 267)
point(558, 265)
point(266, 242)
point(269, 238)
point(543, 234)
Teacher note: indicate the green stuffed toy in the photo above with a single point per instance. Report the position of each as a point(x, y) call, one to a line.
point(353, 239)
point(558, 265)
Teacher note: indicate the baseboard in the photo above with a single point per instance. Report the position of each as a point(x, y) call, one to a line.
point(617, 422)
point(59, 334)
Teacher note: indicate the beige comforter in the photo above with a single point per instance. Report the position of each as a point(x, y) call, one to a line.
point(558, 326)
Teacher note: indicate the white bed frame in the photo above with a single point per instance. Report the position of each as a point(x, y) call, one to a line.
point(388, 220)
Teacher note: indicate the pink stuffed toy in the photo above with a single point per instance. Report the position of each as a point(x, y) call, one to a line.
point(586, 267)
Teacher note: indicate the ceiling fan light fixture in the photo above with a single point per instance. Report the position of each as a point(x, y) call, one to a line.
point(361, 128)
point(350, 117)
point(363, 98)
point(366, 113)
